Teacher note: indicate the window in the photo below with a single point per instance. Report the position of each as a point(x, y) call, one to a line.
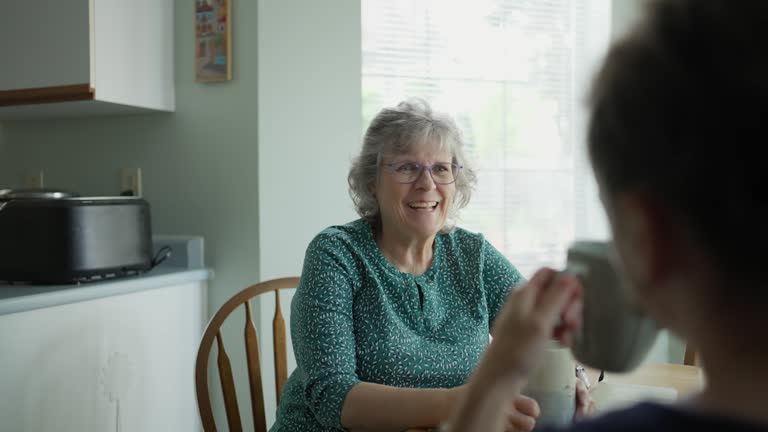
point(514, 74)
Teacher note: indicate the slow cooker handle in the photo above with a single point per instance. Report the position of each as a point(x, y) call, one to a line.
point(162, 254)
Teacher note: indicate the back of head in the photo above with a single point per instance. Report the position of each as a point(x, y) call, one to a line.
point(678, 112)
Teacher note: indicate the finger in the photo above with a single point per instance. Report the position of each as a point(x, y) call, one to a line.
point(521, 300)
point(580, 387)
point(572, 315)
point(583, 399)
point(589, 410)
point(554, 299)
point(528, 294)
point(519, 422)
point(526, 406)
point(573, 309)
point(582, 395)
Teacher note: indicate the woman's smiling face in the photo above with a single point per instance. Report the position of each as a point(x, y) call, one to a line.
point(419, 209)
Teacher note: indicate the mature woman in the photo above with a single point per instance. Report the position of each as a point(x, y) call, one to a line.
point(676, 110)
point(394, 309)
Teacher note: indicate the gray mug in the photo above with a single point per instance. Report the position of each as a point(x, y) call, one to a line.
point(616, 334)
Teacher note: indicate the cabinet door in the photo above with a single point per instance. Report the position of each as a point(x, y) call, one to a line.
point(44, 43)
point(119, 363)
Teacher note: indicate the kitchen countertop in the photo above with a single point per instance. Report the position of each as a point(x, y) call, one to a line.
point(185, 264)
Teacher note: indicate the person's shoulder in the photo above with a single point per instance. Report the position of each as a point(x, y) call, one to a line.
point(470, 243)
point(649, 416)
point(640, 417)
point(354, 233)
point(462, 236)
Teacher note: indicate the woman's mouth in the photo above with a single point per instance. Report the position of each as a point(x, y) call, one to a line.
point(423, 205)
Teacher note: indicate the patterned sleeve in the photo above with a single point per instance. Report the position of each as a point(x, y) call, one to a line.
point(322, 328)
point(499, 277)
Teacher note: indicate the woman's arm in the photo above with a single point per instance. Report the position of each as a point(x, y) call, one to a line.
point(376, 407)
point(499, 277)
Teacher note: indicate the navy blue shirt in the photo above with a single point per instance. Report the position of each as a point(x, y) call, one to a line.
point(649, 416)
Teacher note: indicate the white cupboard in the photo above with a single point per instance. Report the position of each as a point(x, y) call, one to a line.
point(75, 57)
point(117, 363)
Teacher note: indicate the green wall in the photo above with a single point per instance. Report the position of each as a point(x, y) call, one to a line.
point(198, 163)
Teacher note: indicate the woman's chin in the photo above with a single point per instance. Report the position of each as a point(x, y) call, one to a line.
point(427, 228)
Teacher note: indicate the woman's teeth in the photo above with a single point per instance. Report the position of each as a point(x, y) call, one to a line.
point(427, 205)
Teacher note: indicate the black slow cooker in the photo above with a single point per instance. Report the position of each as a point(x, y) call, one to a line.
point(54, 236)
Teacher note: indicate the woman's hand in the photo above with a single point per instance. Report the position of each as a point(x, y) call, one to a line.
point(585, 405)
point(521, 413)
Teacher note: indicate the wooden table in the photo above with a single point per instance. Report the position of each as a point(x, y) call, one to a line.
point(684, 379)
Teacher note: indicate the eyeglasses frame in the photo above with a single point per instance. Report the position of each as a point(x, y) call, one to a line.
point(421, 167)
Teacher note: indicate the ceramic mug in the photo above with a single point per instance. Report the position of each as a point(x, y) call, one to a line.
point(616, 334)
point(553, 386)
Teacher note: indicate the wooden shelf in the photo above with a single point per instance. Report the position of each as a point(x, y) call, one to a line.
point(66, 93)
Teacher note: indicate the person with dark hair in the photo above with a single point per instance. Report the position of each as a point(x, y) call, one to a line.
point(678, 109)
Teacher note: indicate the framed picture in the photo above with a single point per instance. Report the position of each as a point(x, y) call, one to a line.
point(213, 40)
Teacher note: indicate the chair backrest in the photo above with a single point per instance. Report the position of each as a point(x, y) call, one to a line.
point(213, 332)
point(691, 356)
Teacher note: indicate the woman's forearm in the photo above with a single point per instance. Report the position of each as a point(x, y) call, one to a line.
point(482, 404)
point(376, 407)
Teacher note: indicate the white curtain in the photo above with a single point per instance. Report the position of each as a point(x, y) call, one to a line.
point(514, 74)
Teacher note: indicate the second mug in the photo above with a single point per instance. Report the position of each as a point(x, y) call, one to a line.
point(616, 334)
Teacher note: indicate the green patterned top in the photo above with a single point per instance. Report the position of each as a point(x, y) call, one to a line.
point(356, 317)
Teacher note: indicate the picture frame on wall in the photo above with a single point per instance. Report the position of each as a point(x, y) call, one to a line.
point(213, 40)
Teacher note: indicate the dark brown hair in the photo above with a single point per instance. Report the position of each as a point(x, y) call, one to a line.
point(679, 110)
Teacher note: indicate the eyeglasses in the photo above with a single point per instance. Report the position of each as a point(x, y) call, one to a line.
point(442, 173)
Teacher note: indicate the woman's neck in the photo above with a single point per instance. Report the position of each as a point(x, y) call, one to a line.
point(407, 254)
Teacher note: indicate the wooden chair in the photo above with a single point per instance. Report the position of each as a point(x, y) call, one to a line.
point(213, 331)
point(691, 356)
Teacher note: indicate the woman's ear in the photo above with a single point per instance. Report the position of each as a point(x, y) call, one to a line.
point(644, 238)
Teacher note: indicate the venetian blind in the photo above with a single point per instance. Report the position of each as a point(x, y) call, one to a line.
point(514, 74)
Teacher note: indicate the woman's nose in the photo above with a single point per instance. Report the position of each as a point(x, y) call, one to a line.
point(425, 180)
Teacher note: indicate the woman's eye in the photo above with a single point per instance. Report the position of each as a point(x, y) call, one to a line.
point(408, 168)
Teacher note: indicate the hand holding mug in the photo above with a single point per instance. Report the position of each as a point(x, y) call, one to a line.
point(531, 316)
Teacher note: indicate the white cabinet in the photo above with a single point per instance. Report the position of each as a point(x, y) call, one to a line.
point(117, 363)
point(80, 57)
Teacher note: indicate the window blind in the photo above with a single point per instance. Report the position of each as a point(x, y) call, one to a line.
point(513, 74)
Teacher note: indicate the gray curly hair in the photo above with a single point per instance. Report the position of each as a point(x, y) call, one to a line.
point(395, 131)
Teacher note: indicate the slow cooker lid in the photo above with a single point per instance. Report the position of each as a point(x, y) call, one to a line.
point(38, 193)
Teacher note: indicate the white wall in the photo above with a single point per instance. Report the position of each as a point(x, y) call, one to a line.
point(309, 123)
